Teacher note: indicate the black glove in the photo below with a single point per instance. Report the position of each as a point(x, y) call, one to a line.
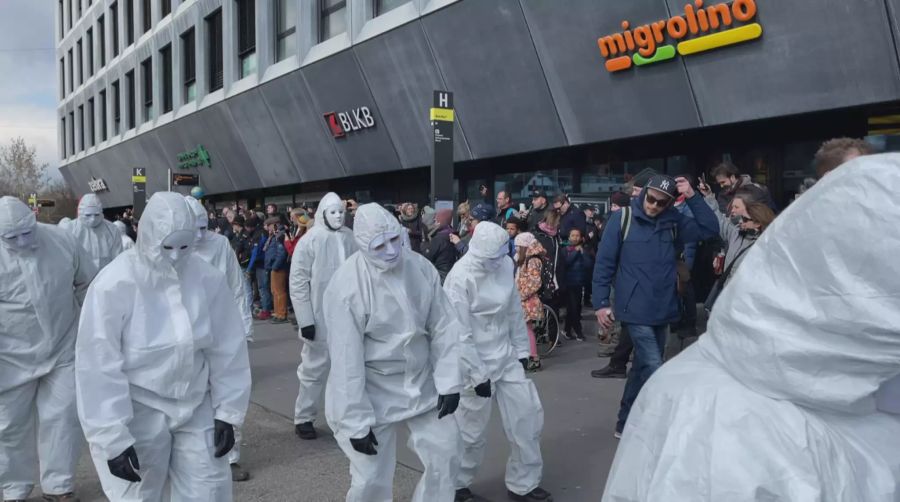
point(124, 465)
point(524, 362)
point(308, 332)
point(483, 389)
point(447, 404)
point(224, 438)
point(365, 445)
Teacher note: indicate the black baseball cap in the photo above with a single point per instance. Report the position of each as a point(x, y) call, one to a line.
point(664, 184)
point(538, 193)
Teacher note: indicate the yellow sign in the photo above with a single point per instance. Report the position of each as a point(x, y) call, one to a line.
point(442, 114)
point(138, 179)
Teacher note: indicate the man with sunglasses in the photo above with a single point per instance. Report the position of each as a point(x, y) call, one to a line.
point(639, 251)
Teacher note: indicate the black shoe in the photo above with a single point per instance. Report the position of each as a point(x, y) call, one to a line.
point(569, 335)
point(305, 431)
point(464, 495)
point(609, 372)
point(239, 475)
point(536, 494)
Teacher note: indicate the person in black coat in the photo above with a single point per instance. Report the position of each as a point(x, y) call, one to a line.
point(439, 248)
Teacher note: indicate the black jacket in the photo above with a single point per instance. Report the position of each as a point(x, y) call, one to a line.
point(534, 217)
point(440, 251)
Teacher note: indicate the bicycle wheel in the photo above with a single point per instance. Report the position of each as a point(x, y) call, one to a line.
point(546, 332)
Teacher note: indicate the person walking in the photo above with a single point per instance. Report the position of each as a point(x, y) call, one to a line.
point(99, 237)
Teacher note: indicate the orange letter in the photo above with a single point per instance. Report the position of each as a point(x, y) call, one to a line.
point(724, 13)
point(629, 40)
point(658, 28)
point(701, 16)
point(677, 27)
point(611, 45)
point(644, 38)
point(743, 10)
point(691, 18)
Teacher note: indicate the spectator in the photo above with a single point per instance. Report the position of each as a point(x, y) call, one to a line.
point(547, 234)
point(529, 262)
point(570, 217)
point(687, 326)
point(412, 222)
point(300, 223)
point(352, 205)
point(618, 200)
point(438, 248)
point(513, 228)
point(639, 251)
point(276, 265)
point(427, 215)
point(835, 152)
point(505, 211)
point(538, 208)
point(256, 267)
point(579, 264)
point(637, 183)
point(481, 212)
point(731, 180)
point(462, 215)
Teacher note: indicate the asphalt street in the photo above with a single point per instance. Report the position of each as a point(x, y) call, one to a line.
point(577, 444)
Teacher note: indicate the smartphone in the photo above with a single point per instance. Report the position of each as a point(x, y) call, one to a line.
point(521, 207)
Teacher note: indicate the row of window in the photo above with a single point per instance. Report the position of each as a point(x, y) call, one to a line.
point(165, 8)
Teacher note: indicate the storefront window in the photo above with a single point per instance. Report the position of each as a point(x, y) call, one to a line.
point(520, 185)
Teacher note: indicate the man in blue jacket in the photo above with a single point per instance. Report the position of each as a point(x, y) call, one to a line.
point(639, 251)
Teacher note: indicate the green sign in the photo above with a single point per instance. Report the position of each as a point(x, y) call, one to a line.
point(194, 158)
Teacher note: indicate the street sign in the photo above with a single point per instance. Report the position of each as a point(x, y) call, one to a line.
point(442, 117)
point(185, 180)
point(46, 203)
point(32, 200)
point(139, 186)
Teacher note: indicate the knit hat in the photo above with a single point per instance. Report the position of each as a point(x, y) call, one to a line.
point(525, 239)
point(481, 212)
point(620, 199)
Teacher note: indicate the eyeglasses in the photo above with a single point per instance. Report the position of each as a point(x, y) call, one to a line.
point(653, 201)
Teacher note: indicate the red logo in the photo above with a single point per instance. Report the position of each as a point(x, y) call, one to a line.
point(336, 129)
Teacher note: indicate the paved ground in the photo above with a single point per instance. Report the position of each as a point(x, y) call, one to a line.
point(578, 443)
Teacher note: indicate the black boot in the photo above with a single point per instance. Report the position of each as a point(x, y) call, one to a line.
point(538, 494)
point(464, 495)
point(609, 372)
point(305, 431)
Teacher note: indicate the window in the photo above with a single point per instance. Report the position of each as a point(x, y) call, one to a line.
point(189, 56)
point(62, 78)
point(71, 133)
point(214, 57)
point(166, 56)
point(165, 8)
point(71, 72)
point(246, 15)
point(114, 16)
point(81, 128)
point(78, 4)
point(62, 33)
point(285, 28)
point(90, 51)
point(129, 22)
point(332, 18)
point(101, 31)
point(103, 115)
point(62, 128)
point(131, 110)
point(146, 15)
point(147, 88)
point(69, 12)
point(382, 6)
point(80, 62)
point(117, 108)
point(91, 137)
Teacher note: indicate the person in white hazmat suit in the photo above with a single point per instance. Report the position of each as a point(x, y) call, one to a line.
point(395, 361)
point(161, 368)
point(318, 255)
point(482, 290)
point(99, 237)
point(778, 400)
point(127, 243)
point(216, 250)
point(65, 223)
point(44, 275)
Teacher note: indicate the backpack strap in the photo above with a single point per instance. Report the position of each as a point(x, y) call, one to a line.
point(625, 223)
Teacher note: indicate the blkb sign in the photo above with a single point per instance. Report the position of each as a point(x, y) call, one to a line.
point(341, 123)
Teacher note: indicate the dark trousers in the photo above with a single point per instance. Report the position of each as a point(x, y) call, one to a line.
point(649, 344)
point(620, 356)
point(573, 310)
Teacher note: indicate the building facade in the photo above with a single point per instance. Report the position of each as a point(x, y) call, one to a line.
point(281, 100)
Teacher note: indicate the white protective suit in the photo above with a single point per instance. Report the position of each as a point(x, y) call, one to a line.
point(43, 280)
point(777, 400)
point(482, 289)
point(317, 256)
point(160, 355)
point(65, 222)
point(393, 339)
point(100, 238)
point(127, 243)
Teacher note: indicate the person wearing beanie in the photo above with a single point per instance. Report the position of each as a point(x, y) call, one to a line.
point(645, 272)
point(618, 200)
point(638, 182)
point(481, 212)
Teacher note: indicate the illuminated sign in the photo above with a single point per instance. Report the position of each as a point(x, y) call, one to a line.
point(194, 158)
point(341, 123)
point(714, 24)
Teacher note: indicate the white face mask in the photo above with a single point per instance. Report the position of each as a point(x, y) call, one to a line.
point(334, 217)
point(20, 240)
point(385, 249)
point(91, 219)
point(177, 246)
point(200, 234)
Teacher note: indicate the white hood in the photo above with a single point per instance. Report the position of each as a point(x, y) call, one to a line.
point(328, 200)
point(201, 217)
point(89, 200)
point(488, 241)
point(166, 212)
point(15, 215)
point(813, 314)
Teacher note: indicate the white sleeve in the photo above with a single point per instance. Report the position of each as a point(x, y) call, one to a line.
point(234, 275)
point(101, 388)
point(473, 370)
point(444, 333)
point(229, 363)
point(85, 270)
point(349, 411)
point(518, 331)
point(300, 282)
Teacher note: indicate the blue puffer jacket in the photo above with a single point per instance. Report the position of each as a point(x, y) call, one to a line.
point(578, 267)
point(643, 267)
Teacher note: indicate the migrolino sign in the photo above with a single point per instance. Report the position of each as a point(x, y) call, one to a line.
point(98, 185)
point(194, 158)
point(341, 123)
point(715, 25)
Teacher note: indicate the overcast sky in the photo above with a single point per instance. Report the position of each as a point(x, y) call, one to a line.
point(28, 76)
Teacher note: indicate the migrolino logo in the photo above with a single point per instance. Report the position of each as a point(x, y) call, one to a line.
point(648, 39)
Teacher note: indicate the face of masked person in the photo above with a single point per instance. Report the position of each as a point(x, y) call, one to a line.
point(91, 217)
point(497, 261)
point(385, 250)
point(489, 245)
point(334, 216)
point(20, 240)
point(177, 246)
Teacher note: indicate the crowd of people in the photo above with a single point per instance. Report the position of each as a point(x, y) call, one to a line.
point(134, 334)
